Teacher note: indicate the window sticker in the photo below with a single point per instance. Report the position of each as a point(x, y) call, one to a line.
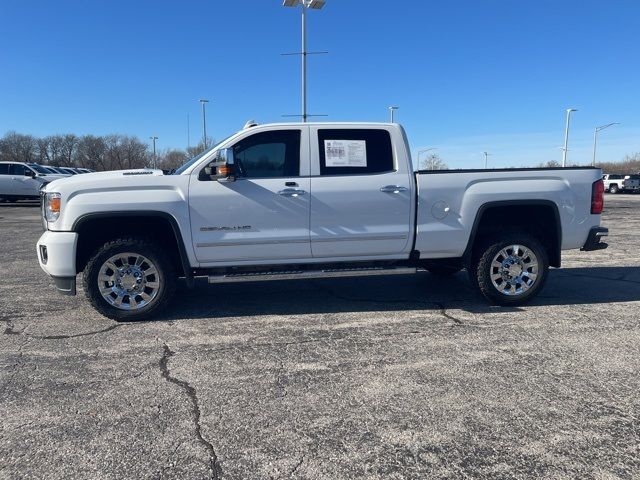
point(345, 153)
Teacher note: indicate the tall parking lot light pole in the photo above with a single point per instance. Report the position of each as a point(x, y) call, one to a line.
point(392, 110)
point(486, 159)
point(155, 158)
point(314, 5)
point(204, 122)
point(595, 139)
point(566, 136)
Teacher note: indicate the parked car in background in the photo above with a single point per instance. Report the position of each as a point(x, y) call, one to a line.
point(632, 183)
point(21, 181)
point(618, 183)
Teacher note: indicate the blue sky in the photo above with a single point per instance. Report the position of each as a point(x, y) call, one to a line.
point(468, 76)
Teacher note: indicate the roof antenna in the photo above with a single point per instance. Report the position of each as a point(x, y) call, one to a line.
point(250, 124)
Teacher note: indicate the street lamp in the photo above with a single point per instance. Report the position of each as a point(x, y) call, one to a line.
point(155, 158)
point(566, 136)
point(486, 159)
point(392, 109)
point(204, 123)
point(314, 5)
point(424, 151)
point(595, 139)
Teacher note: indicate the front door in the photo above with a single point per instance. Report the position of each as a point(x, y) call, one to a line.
point(22, 181)
point(263, 216)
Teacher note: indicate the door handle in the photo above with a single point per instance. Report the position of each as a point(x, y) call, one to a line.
point(393, 189)
point(291, 192)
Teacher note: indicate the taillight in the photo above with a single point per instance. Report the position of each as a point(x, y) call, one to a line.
point(597, 197)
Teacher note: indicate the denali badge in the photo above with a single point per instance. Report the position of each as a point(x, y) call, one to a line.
point(217, 229)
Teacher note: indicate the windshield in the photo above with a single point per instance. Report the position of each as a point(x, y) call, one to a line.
point(39, 168)
point(189, 163)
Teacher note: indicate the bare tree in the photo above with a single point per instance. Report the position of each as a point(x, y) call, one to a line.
point(433, 162)
point(199, 148)
point(90, 153)
point(170, 159)
point(15, 147)
point(68, 146)
point(549, 164)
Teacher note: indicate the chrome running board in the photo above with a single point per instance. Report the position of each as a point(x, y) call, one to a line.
point(325, 273)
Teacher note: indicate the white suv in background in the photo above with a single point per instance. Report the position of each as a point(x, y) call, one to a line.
point(21, 181)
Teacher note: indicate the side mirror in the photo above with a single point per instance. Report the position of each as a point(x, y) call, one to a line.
point(30, 173)
point(222, 168)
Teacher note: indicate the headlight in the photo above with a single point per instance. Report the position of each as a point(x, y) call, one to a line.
point(52, 204)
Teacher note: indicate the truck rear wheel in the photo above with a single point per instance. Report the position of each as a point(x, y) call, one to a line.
point(511, 270)
point(614, 189)
point(129, 279)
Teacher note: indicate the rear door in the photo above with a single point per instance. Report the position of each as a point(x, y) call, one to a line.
point(263, 216)
point(6, 185)
point(361, 193)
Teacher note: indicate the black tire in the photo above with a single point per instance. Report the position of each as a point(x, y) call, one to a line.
point(614, 189)
point(481, 269)
point(443, 270)
point(166, 278)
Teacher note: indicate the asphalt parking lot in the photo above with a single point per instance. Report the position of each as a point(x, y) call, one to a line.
point(385, 377)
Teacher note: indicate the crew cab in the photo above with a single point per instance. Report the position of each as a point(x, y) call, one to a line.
point(616, 183)
point(23, 181)
point(297, 201)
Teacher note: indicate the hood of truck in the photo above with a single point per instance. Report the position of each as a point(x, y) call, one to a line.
point(111, 179)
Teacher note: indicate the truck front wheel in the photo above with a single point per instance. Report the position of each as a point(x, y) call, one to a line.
point(510, 270)
point(129, 279)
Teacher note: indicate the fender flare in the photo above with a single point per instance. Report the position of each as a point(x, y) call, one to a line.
point(184, 259)
point(555, 260)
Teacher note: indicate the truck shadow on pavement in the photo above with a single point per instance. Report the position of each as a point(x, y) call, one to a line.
point(569, 286)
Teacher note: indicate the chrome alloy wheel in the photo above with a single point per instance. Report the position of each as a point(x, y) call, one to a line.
point(514, 270)
point(128, 281)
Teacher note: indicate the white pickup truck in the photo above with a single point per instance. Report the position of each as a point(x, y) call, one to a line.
point(296, 201)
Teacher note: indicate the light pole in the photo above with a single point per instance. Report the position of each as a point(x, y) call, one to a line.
point(392, 109)
point(595, 139)
point(314, 5)
point(424, 151)
point(204, 122)
point(566, 136)
point(155, 159)
point(486, 159)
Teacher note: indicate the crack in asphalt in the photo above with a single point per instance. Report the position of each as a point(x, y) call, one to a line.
point(440, 305)
point(87, 334)
point(10, 330)
point(297, 465)
point(9, 327)
point(214, 465)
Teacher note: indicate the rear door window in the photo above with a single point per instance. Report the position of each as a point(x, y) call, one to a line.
point(4, 169)
point(355, 151)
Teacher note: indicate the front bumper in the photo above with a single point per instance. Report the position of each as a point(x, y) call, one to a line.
point(57, 256)
point(594, 240)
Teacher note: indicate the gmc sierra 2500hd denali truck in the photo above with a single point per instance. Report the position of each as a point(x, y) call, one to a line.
point(289, 201)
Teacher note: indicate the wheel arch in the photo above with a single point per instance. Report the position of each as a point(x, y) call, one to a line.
point(485, 224)
point(94, 229)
